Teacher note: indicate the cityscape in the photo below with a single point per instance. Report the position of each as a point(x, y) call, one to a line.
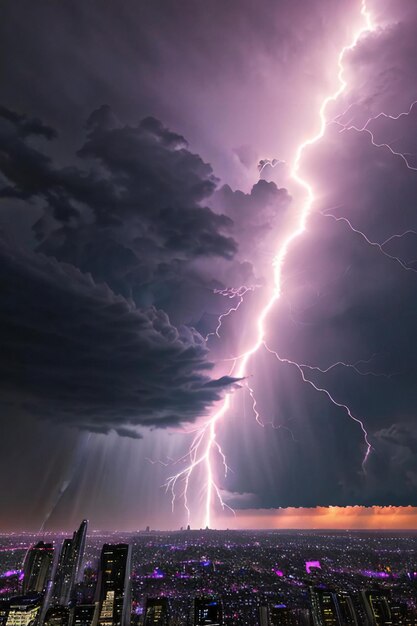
point(209, 577)
point(208, 313)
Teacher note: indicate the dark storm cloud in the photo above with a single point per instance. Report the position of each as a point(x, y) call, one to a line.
point(132, 216)
point(257, 217)
point(74, 352)
point(215, 72)
point(150, 178)
point(83, 341)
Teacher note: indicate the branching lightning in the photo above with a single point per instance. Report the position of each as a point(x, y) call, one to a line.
point(353, 366)
point(205, 448)
point(380, 145)
point(374, 244)
point(365, 129)
point(231, 293)
point(327, 393)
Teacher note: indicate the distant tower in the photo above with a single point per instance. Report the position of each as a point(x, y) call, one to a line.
point(79, 547)
point(37, 567)
point(208, 611)
point(69, 566)
point(113, 588)
point(157, 612)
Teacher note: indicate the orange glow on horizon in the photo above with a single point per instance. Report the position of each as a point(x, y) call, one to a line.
point(333, 517)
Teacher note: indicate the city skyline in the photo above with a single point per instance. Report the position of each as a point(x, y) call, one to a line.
point(206, 577)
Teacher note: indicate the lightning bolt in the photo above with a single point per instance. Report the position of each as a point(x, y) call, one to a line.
point(365, 129)
point(352, 366)
point(374, 244)
point(327, 393)
point(232, 293)
point(204, 446)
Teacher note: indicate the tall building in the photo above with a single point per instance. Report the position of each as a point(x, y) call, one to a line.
point(57, 616)
point(69, 566)
point(324, 607)
point(347, 611)
point(37, 567)
point(86, 588)
point(113, 588)
point(277, 615)
point(24, 610)
point(4, 611)
point(157, 612)
point(378, 608)
point(208, 611)
point(85, 614)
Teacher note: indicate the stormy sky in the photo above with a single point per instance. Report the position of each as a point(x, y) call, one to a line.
point(145, 188)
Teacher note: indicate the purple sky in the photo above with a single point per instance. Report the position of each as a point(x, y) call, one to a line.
point(130, 139)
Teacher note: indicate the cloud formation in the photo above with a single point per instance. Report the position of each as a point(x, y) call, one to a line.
point(85, 340)
point(77, 353)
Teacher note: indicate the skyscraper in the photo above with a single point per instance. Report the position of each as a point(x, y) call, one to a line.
point(37, 567)
point(347, 610)
point(113, 588)
point(208, 611)
point(277, 615)
point(157, 612)
point(4, 611)
point(84, 614)
point(57, 616)
point(377, 608)
point(324, 607)
point(24, 610)
point(69, 566)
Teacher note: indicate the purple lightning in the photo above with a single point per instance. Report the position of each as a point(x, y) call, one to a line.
point(204, 447)
point(374, 244)
point(232, 293)
point(352, 366)
point(365, 129)
point(340, 405)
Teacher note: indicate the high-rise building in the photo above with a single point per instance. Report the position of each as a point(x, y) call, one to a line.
point(347, 611)
point(113, 588)
point(280, 615)
point(208, 611)
point(4, 611)
point(69, 566)
point(277, 615)
point(377, 608)
point(86, 588)
point(24, 610)
point(84, 614)
point(36, 567)
point(324, 607)
point(156, 612)
point(57, 616)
